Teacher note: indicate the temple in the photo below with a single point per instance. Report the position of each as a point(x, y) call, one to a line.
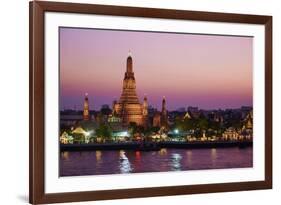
point(128, 108)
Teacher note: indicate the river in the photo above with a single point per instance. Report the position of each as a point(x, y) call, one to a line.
point(126, 161)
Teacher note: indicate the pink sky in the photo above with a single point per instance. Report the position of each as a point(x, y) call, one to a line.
point(189, 70)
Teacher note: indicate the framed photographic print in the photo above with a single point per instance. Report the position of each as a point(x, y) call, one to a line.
point(139, 102)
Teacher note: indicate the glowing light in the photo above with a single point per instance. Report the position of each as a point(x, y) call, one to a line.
point(123, 134)
point(176, 131)
point(87, 133)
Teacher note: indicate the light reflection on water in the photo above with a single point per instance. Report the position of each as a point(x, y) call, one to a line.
point(214, 153)
point(189, 156)
point(163, 151)
point(98, 155)
point(125, 166)
point(175, 164)
point(214, 156)
point(64, 155)
point(128, 161)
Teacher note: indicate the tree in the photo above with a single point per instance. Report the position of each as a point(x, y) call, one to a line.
point(214, 125)
point(133, 127)
point(202, 123)
point(197, 133)
point(189, 124)
point(104, 132)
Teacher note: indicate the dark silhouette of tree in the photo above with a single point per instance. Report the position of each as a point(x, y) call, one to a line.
point(104, 132)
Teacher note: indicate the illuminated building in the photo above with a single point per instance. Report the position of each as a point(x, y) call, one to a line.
point(164, 114)
point(247, 129)
point(230, 134)
point(128, 108)
point(187, 116)
point(156, 120)
point(248, 121)
point(66, 139)
point(160, 119)
point(86, 114)
point(81, 135)
point(145, 111)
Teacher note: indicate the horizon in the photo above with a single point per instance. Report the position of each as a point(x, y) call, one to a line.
point(177, 109)
point(211, 72)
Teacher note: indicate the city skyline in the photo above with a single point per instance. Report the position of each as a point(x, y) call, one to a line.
point(95, 108)
point(209, 72)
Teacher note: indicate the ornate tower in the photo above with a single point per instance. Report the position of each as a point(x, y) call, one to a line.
point(86, 114)
point(128, 107)
point(164, 115)
point(145, 111)
point(114, 105)
point(145, 107)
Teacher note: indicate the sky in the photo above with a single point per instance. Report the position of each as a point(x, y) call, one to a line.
point(206, 71)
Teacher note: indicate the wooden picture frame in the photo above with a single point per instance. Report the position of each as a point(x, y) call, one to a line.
point(37, 10)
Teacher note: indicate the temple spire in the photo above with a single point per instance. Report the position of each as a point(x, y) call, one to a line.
point(145, 106)
point(128, 108)
point(129, 63)
point(86, 115)
point(164, 115)
point(164, 105)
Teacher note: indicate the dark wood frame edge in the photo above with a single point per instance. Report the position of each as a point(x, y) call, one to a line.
point(36, 104)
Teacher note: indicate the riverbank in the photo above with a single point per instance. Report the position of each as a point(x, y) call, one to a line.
point(136, 145)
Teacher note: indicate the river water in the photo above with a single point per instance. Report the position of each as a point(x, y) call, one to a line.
point(126, 161)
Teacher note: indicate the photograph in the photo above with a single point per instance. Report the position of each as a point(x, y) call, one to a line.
point(132, 102)
point(147, 101)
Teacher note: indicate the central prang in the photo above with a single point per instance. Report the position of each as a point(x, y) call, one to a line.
point(128, 108)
